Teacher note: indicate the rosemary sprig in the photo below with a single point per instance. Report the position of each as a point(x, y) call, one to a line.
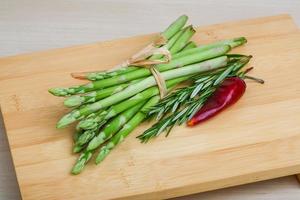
point(183, 103)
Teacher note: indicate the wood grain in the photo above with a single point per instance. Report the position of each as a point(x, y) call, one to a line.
point(298, 178)
point(259, 139)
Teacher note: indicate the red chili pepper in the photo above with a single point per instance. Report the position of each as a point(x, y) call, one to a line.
point(229, 92)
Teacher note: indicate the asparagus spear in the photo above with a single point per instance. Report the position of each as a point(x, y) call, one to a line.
point(92, 121)
point(77, 148)
point(81, 161)
point(86, 136)
point(109, 130)
point(175, 27)
point(140, 86)
point(183, 39)
point(77, 134)
point(94, 76)
point(189, 45)
point(179, 62)
point(231, 42)
point(126, 130)
point(91, 97)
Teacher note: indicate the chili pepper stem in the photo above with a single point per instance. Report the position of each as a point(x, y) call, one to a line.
point(244, 76)
point(261, 81)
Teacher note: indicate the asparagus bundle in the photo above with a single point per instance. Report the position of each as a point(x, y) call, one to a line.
point(109, 107)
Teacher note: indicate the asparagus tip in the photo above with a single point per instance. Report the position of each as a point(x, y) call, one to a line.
point(82, 160)
point(67, 119)
point(87, 124)
point(78, 167)
point(85, 137)
point(184, 16)
point(239, 41)
point(73, 101)
point(95, 142)
point(190, 28)
point(95, 76)
point(59, 91)
point(77, 149)
point(102, 154)
point(244, 40)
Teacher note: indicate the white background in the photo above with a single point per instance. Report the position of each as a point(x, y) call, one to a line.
point(34, 25)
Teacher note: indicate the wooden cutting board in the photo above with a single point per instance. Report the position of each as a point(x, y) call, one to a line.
point(257, 139)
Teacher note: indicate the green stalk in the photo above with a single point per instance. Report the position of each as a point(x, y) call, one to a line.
point(86, 136)
point(77, 148)
point(109, 130)
point(231, 42)
point(170, 42)
point(81, 162)
point(175, 27)
point(126, 130)
point(179, 62)
point(91, 97)
point(183, 39)
point(94, 76)
point(93, 121)
point(142, 85)
point(77, 134)
point(189, 45)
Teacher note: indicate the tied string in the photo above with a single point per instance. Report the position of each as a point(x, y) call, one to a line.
point(140, 59)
